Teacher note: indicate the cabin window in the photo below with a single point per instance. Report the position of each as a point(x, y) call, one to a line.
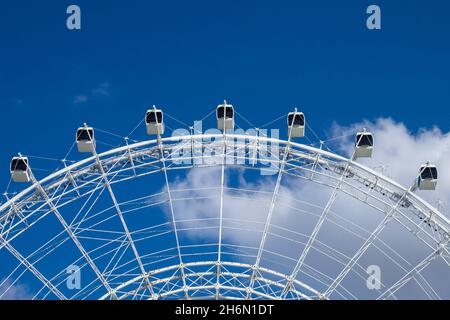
point(364, 140)
point(429, 173)
point(152, 117)
point(85, 134)
point(299, 119)
point(19, 164)
point(229, 112)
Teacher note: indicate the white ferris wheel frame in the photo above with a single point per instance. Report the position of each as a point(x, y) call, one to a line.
point(423, 220)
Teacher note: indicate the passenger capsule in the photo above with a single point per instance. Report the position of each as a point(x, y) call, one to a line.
point(225, 116)
point(154, 120)
point(296, 124)
point(85, 139)
point(428, 177)
point(20, 170)
point(364, 144)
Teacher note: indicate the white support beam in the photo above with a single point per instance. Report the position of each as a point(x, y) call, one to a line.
point(408, 276)
point(316, 230)
point(122, 219)
point(222, 181)
point(172, 211)
point(380, 227)
point(73, 236)
point(269, 215)
point(130, 157)
point(32, 269)
point(319, 223)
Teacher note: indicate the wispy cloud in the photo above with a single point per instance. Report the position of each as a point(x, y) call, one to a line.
point(400, 152)
point(299, 204)
point(11, 291)
point(80, 98)
point(102, 90)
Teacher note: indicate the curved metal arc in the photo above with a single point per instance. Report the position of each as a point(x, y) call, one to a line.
point(444, 220)
point(384, 188)
point(212, 263)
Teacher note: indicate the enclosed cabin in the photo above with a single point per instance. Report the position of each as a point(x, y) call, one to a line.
point(225, 116)
point(154, 120)
point(85, 139)
point(20, 170)
point(296, 124)
point(364, 144)
point(428, 177)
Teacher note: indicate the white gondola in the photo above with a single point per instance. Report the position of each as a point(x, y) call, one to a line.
point(296, 124)
point(364, 144)
point(154, 120)
point(225, 116)
point(85, 139)
point(20, 170)
point(428, 177)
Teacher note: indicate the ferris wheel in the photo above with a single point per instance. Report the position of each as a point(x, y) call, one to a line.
point(224, 214)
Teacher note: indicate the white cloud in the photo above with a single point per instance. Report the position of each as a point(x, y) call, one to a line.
point(81, 98)
point(9, 291)
point(299, 204)
point(398, 153)
point(401, 153)
point(204, 184)
point(102, 90)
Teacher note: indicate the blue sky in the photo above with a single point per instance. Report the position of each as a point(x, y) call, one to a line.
point(264, 57)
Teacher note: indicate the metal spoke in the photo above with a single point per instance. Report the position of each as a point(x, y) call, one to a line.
point(269, 215)
point(369, 240)
point(316, 230)
point(122, 220)
point(408, 276)
point(365, 246)
point(73, 236)
point(172, 211)
point(32, 269)
point(222, 178)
